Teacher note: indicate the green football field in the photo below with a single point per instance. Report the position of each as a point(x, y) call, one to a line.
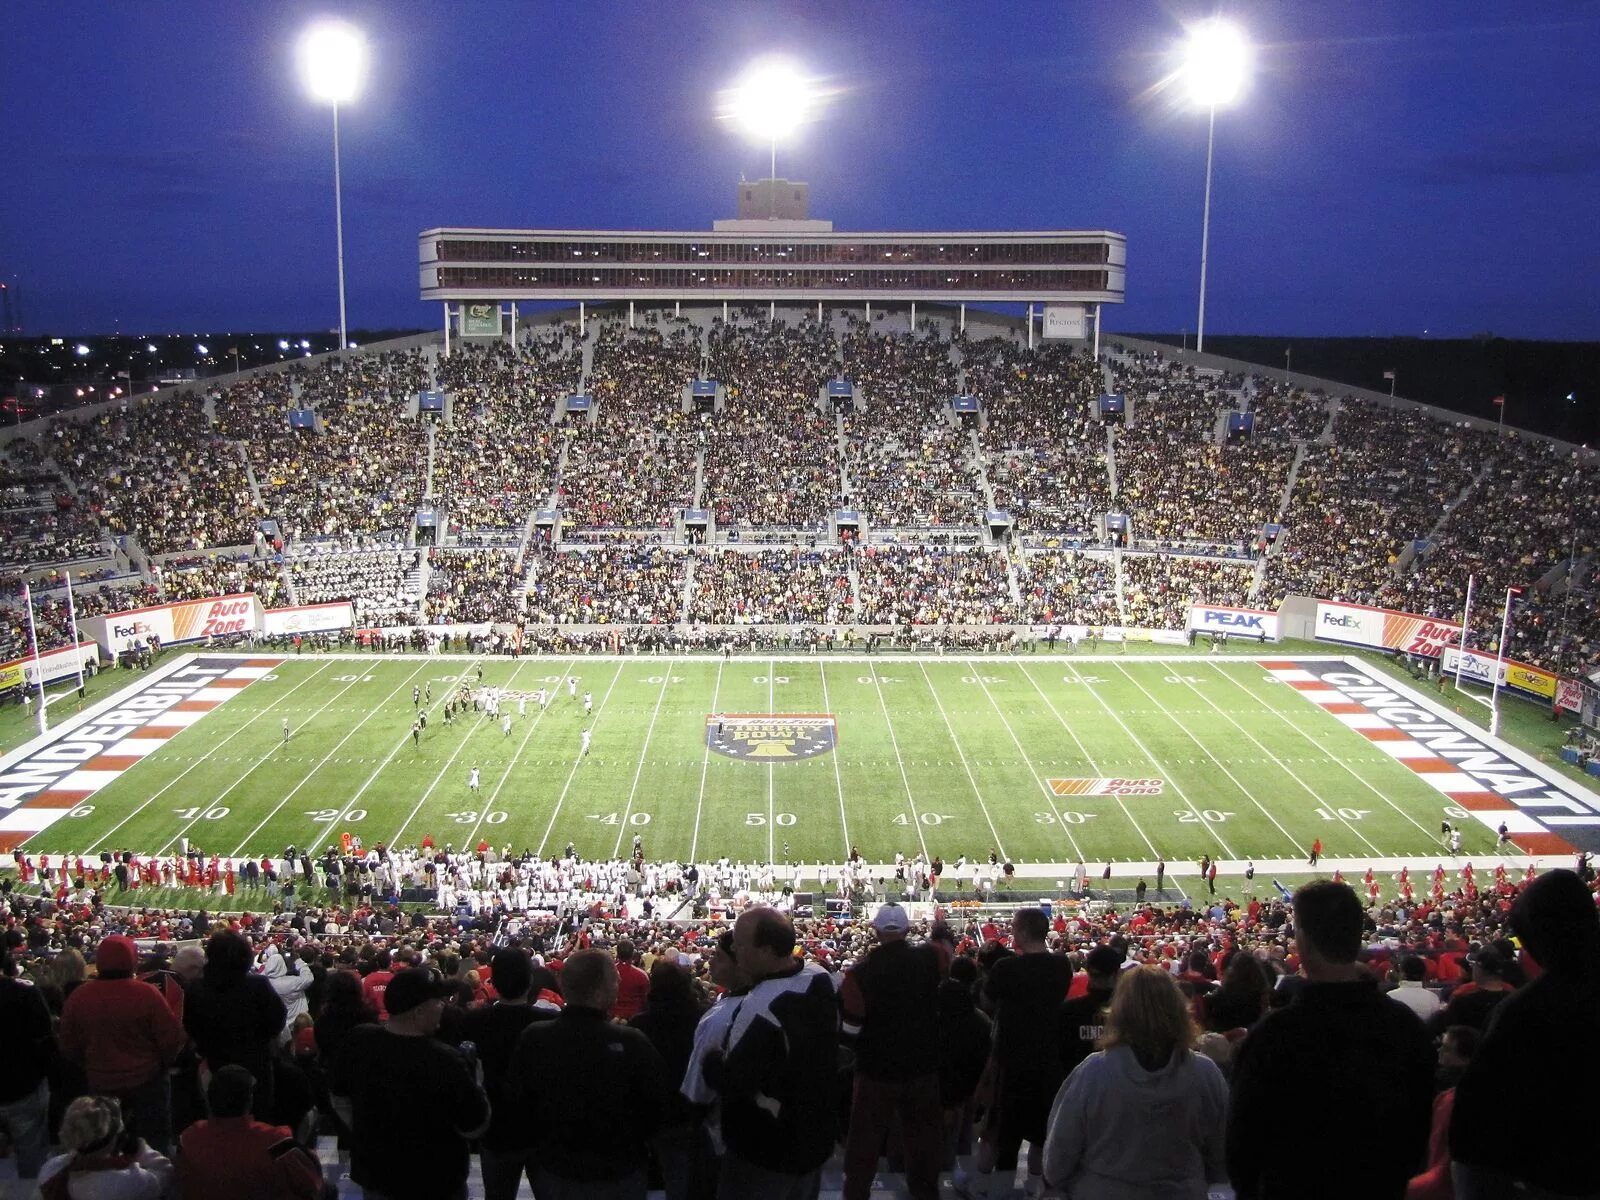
point(1171, 759)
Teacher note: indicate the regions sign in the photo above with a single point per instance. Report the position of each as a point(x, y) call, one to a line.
point(1105, 787)
point(1241, 622)
point(1384, 629)
point(771, 737)
point(308, 618)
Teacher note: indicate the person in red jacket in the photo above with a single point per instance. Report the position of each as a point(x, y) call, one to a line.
point(633, 985)
point(124, 1036)
point(236, 1156)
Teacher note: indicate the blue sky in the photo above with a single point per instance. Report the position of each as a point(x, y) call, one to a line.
point(1393, 169)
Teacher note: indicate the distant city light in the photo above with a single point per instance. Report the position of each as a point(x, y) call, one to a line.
point(150, 346)
point(304, 345)
point(1216, 63)
point(333, 61)
point(201, 349)
point(283, 344)
point(81, 350)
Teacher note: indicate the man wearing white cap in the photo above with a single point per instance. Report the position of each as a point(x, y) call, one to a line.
point(890, 1019)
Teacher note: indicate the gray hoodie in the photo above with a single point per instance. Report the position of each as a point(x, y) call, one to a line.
point(1120, 1132)
point(291, 989)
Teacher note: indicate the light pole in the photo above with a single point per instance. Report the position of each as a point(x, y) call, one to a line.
point(772, 100)
point(333, 63)
point(1216, 65)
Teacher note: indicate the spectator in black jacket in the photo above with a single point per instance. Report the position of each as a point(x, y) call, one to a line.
point(1525, 1111)
point(889, 1002)
point(1345, 1059)
point(27, 1048)
point(1083, 1018)
point(233, 1015)
point(671, 1015)
point(505, 1150)
point(593, 1092)
point(1473, 1005)
point(964, 1043)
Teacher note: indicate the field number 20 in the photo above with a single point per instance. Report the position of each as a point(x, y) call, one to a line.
point(1195, 816)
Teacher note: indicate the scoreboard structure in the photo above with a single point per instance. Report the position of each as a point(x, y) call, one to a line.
point(1070, 271)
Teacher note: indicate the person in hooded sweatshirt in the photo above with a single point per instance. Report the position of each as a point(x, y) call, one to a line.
point(290, 984)
point(233, 1014)
point(1144, 1117)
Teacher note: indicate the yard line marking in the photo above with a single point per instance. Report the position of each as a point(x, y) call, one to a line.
point(962, 755)
point(326, 758)
point(1288, 719)
point(705, 764)
point(1248, 794)
point(450, 762)
point(1089, 758)
point(576, 763)
point(1155, 762)
point(105, 838)
point(1077, 850)
point(666, 678)
point(1292, 773)
point(894, 744)
point(488, 805)
point(838, 780)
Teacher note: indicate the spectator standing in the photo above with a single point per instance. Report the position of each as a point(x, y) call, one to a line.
point(234, 1015)
point(505, 1150)
point(1245, 994)
point(376, 980)
point(103, 1161)
point(27, 1048)
point(232, 1154)
point(965, 1040)
point(890, 1008)
point(123, 1035)
point(633, 985)
point(710, 1035)
point(1474, 1006)
point(1543, 1049)
point(669, 1020)
point(411, 1102)
point(1083, 1018)
point(1025, 993)
point(1144, 1115)
point(581, 1074)
point(1411, 990)
point(291, 980)
point(1355, 1060)
point(778, 1072)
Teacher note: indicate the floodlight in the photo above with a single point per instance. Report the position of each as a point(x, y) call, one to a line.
point(1216, 63)
point(333, 61)
point(772, 99)
point(81, 350)
point(201, 349)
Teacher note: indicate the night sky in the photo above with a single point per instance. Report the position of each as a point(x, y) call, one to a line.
point(1393, 169)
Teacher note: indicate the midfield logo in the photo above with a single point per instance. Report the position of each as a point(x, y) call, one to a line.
point(772, 737)
point(1106, 787)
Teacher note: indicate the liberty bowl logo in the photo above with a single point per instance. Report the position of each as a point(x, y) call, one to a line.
point(772, 737)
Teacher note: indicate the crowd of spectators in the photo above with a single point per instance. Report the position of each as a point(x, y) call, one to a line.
point(41, 521)
point(606, 586)
point(1065, 1029)
point(374, 580)
point(195, 577)
point(764, 587)
point(473, 586)
point(1157, 590)
point(1287, 414)
point(494, 461)
point(917, 585)
point(1067, 587)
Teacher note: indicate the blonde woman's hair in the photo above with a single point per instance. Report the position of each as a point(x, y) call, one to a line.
point(91, 1123)
point(1149, 1016)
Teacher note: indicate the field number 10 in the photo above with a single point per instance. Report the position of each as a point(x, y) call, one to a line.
point(1342, 814)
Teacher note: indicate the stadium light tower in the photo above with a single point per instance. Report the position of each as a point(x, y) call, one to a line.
point(333, 63)
point(1216, 67)
point(770, 102)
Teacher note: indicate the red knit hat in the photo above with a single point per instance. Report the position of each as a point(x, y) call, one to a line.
point(116, 953)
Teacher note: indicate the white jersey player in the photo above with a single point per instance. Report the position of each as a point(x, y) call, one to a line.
point(585, 736)
point(522, 705)
point(588, 703)
point(505, 725)
point(572, 687)
point(472, 780)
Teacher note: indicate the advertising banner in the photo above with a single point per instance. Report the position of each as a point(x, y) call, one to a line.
point(1240, 622)
point(308, 618)
point(52, 664)
point(189, 621)
point(480, 320)
point(1517, 676)
point(1569, 695)
point(1384, 629)
point(1065, 321)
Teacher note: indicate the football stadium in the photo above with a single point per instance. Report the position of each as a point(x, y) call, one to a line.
point(929, 732)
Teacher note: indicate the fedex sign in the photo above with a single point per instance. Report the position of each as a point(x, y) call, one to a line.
point(1385, 629)
point(1240, 622)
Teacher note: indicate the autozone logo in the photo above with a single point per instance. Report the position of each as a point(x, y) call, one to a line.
point(1106, 787)
point(1429, 638)
point(1232, 620)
